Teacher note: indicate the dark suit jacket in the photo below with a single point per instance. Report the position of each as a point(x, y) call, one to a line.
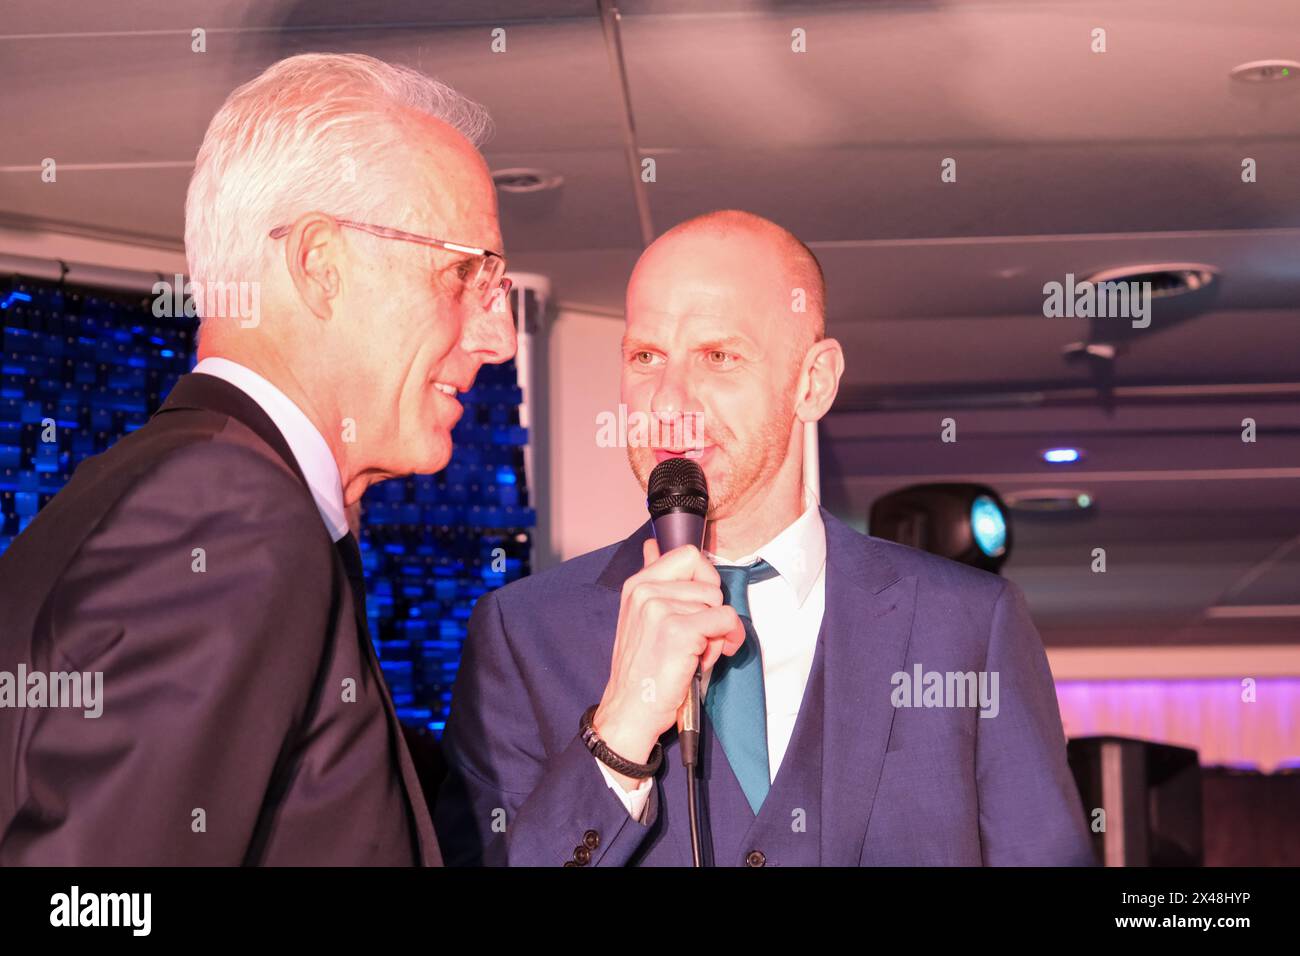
point(190, 566)
point(862, 783)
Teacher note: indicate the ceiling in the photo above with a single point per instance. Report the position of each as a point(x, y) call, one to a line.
point(1068, 161)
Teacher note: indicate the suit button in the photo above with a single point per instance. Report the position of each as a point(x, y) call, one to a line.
point(569, 863)
point(755, 858)
point(591, 839)
point(581, 855)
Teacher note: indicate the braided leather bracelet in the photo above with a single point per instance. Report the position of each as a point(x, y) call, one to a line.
point(600, 750)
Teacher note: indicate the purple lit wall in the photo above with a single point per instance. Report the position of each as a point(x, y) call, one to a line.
point(1206, 714)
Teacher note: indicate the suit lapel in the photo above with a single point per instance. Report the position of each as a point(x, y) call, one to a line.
point(211, 394)
point(868, 623)
point(627, 559)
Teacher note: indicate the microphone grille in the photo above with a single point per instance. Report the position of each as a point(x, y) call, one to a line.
point(677, 484)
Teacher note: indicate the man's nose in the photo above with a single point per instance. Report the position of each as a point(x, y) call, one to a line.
point(672, 394)
point(489, 333)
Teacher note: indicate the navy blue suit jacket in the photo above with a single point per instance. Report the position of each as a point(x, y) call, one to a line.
point(863, 782)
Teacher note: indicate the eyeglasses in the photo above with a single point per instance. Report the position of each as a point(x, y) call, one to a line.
point(489, 280)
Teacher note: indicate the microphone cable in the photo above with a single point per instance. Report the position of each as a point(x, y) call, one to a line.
point(689, 739)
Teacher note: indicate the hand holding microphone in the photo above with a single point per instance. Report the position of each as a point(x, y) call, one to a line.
point(671, 620)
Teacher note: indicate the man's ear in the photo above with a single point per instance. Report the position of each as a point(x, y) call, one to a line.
point(819, 380)
point(313, 254)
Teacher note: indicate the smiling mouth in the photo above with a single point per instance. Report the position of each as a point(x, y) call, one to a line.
point(446, 389)
point(681, 452)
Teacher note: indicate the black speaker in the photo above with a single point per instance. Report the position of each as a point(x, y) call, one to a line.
point(1151, 797)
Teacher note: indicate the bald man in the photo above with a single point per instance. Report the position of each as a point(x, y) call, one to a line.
point(562, 741)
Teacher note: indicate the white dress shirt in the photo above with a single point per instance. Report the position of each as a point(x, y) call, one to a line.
point(307, 444)
point(787, 614)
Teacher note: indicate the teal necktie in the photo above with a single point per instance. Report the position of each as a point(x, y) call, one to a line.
point(735, 702)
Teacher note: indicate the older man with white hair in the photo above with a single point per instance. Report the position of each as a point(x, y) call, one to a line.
point(204, 564)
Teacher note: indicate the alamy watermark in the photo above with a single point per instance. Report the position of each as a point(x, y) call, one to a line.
point(1086, 300)
point(79, 690)
point(221, 300)
point(76, 908)
point(678, 431)
point(946, 689)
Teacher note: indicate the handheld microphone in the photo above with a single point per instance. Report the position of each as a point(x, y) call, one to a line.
point(678, 499)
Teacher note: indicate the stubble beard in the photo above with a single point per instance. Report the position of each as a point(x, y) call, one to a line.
point(750, 466)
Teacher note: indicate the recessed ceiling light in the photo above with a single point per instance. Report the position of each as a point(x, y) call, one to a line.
point(1062, 456)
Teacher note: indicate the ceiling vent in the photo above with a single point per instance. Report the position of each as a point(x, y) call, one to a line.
point(521, 180)
point(1167, 280)
point(1267, 71)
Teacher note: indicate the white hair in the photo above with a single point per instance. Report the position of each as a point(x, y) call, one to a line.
point(283, 144)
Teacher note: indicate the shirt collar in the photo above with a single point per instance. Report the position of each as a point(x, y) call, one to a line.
point(798, 553)
point(309, 447)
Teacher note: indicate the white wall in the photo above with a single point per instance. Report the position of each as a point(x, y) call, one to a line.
point(586, 496)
